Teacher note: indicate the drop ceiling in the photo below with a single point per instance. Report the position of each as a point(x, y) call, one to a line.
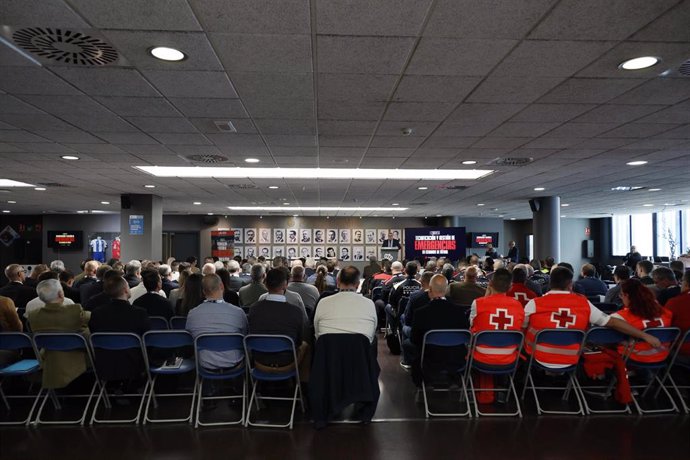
point(333, 84)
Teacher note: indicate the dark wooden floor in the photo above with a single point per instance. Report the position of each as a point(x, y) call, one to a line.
point(399, 432)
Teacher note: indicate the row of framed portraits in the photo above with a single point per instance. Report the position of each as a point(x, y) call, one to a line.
point(345, 253)
point(308, 236)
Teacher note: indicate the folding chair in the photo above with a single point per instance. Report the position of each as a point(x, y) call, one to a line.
point(117, 341)
point(18, 341)
point(219, 343)
point(684, 365)
point(158, 323)
point(496, 342)
point(264, 343)
point(545, 339)
point(447, 338)
point(668, 337)
point(167, 340)
point(601, 336)
point(55, 341)
point(178, 323)
point(377, 293)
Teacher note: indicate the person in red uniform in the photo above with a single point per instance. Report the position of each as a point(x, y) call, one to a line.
point(496, 312)
point(642, 311)
point(561, 309)
point(518, 290)
point(680, 308)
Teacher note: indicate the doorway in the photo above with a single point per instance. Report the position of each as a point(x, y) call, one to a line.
point(180, 245)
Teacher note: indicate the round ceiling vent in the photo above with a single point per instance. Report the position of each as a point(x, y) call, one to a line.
point(65, 46)
point(207, 158)
point(685, 68)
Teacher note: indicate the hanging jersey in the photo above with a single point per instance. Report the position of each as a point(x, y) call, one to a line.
point(642, 351)
point(116, 249)
point(521, 293)
point(558, 311)
point(98, 245)
point(498, 312)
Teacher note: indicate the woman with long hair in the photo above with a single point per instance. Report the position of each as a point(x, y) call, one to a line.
point(192, 294)
point(229, 295)
point(321, 282)
point(642, 311)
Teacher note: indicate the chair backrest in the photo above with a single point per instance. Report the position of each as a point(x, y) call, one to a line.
point(219, 342)
point(499, 338)
point(158, 323)
point(377, 293)
point(60, 341)
point(115, 341)
point(607, 307)
point(447, 337)
point(167, 339)
point(15, 341)
point(664, 334)
point(178, 323)
point(266, 343)
point(561, 337)
point(604, 336)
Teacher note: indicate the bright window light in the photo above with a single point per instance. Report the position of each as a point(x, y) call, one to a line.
point(315, 173)
point(639, 63)
point(165, 53)
point(13, 183)
point(314, 208)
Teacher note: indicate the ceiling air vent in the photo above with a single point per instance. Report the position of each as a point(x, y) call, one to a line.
point(208, 159)
point(514, 161)
point(52, 185)
point(225, 126)
point(685, 68)
point(241, 186)
point(454, 187)
point(65, 46)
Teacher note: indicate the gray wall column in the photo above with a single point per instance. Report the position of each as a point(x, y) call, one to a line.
point(149, 245)
point(546, 226)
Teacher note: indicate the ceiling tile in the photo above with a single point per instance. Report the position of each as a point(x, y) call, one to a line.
point(586, 90)
point(672, 26)
point(139, 106)
point(133, 14)
point(249, 16)
point(355, 87)
point(672, 54)
point(107, 81)
point(523, 129)
point(47, 13)
point(280, 108)
point(513, 89)
point(162, 124)
point(445, 56)
point(33, 80)
point(211, 108)
point(208, 125)
point(181, 139)
point(252, 85)
point(657, 91)
point(552, 112)
point(346, 127)
point(192, 84)
point(609, 113)
point(263, 53)
point(364, 17)
point(429, 88)
point(345, 110)
point(378, 55)
point(418, 111)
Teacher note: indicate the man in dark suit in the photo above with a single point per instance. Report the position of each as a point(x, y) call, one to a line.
point(236, 282)
point(119, 316)
point(15, 289)
point(90, 289)
point(152, 301)
point(390, 242)
point(513, 252)
point(102, 297)
point(439, 313)
point(632, 258)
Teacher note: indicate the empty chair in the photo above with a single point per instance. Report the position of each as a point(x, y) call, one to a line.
point(545, 341)
point(174, 365)
point(178, 323)
point(158, 323)
point(676, 363)
point(507, 343)
point(444, 339)
point(219, 343)
point(117, 342)
point(65, 342)
point(264, 343)
point(20, 343)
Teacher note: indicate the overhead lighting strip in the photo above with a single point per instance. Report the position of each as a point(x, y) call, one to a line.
point(317, 208)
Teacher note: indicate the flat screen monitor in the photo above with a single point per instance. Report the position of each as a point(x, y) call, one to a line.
point(480, 240)
point(67, 240)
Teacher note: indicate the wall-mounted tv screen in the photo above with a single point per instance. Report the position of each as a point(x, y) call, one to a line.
point(480, 240)
point(67, 240)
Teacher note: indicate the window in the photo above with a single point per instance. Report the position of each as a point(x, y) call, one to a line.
point(685, 223)
point(620, 235)
point(667, 233)
point(642, 234)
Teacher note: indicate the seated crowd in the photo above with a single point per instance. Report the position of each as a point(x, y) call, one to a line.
point(306, 299)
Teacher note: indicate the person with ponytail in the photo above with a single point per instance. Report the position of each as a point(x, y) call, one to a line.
point(321, 282)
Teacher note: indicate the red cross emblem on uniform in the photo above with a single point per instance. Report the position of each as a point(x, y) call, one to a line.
point(521, 296)
point(501, 319)
point(656, 322)
point(563, 318)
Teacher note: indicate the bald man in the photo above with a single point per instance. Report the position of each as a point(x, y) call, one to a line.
point(439, 313)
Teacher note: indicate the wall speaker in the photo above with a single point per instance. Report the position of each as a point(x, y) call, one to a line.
point(211, 220)
point(125, 201)
point(534, 205)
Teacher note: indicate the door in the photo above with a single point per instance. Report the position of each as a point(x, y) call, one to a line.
point(180, 245)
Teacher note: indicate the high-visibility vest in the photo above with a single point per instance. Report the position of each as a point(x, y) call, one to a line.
point(521, 293)
point(497, 313)
point(557, 311)
point(642, 351)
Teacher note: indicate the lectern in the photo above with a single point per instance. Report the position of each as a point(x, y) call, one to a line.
point(389, 254)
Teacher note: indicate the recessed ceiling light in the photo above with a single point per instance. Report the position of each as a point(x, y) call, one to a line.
point(209, 213)
point(6, 211)
point(12, 202)
point(97, 211)
point(83, 211)
point(438, 215)
point(636, 163)
point(625, 188)
point(273, 187)
point(165, 53)
point(69, 157)
point(315, 173)
point(149, 186)
point(564, 205)
point(40, 189)
point(422, 188)
point(512, 218)
point(286, 204)
point(313, 208)
point(639, 63)
point(396, 204)
point(13, 183)
point(647, 205)
point(469, 162)
point(654, 190)
point(251, 160)
point(480, 204)
point(539, 189)
point(105, 202)
point(197, 203)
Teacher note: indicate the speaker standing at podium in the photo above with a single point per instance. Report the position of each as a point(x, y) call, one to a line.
point(390, 243)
